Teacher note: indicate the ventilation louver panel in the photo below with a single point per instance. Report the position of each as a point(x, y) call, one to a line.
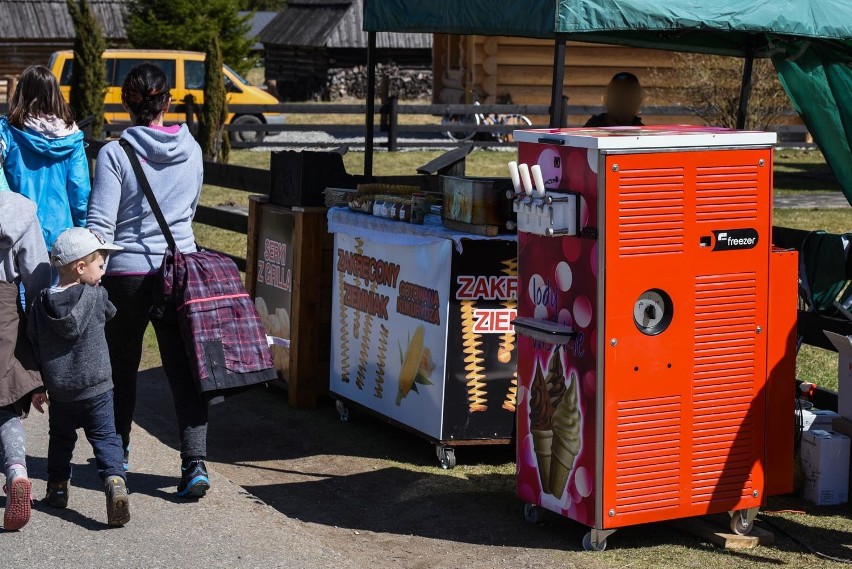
point(650, 211)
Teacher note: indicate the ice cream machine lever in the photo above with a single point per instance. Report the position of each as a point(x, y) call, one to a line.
point(544, 331)
point(541, 212)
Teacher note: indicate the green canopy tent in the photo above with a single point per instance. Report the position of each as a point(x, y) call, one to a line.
point(809, 41)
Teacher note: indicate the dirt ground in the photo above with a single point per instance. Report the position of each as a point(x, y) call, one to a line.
point(377, 495)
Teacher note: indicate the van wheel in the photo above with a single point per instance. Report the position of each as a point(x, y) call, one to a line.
point(255, 136)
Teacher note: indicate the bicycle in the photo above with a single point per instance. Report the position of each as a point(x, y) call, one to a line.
point(483, 119)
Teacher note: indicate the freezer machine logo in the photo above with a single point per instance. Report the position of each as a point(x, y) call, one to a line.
point(735, 239)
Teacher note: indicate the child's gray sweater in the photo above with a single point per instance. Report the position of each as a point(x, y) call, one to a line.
point(66, 329)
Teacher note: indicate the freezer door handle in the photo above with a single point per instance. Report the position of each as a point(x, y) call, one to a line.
point(548, 332)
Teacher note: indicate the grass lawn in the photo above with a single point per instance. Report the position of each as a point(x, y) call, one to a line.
point(795, 170)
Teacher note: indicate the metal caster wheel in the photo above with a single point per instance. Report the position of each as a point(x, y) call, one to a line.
point(342, 410)
point(533, 514)
point(446, 457)
point(589, 546)
point(739, 525)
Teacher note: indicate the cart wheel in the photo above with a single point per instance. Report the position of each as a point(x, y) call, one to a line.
point(343, 411)
point(589, 546)
point(740, 526)
point(533, 514)
point(446, 457)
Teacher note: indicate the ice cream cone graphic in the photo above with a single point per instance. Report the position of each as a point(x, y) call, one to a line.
point(555, 378)
point(566, 439)
point(543, 444)
point(541, 412)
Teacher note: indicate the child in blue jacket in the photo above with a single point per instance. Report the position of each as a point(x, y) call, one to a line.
point(45, 157)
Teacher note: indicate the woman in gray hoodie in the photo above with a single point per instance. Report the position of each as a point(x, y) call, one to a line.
point(118, 209)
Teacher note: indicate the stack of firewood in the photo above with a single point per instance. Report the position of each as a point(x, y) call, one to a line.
point(407, 84)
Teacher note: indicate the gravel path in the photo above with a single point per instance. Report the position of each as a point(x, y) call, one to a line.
point(229, 528)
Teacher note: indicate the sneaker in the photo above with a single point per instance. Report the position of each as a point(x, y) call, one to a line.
point(57, 494)
point(126, 463)
point(117, 501)
point(18, 500)
point(194, 481)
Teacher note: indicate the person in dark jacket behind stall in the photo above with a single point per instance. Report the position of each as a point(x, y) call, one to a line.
point(623, 100)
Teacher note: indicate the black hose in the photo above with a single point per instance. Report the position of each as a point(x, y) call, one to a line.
point(804, 544)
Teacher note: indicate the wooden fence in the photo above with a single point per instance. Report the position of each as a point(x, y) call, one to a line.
point(389, 114)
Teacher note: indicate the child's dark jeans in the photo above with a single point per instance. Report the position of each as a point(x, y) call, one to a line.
point(97, 419)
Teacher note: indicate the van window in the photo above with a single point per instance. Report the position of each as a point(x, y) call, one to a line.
point(123, 67)
point(68, 67)
point(193, 74)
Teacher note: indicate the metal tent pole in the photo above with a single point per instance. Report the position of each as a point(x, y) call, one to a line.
point(745, 89)
point(558, 78)
point(371, 103)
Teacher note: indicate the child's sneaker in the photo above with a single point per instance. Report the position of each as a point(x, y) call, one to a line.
point(117, 500)
point(18, 499)
point(194, 481)
point(57, 494)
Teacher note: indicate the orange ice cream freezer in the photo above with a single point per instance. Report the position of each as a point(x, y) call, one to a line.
point(653, 371)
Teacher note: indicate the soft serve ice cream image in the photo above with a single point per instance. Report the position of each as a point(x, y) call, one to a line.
point(554, 424)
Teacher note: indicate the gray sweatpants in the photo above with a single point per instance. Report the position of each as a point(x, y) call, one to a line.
point(12, 441)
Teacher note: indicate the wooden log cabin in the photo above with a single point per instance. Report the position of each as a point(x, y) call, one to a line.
point(521, 69)
point(31, 30)
point(309, 37)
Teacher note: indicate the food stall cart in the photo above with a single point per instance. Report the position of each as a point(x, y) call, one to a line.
point(421, 328)
point(289, 277)
point(650, 368)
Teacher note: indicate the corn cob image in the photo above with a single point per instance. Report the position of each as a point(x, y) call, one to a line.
point(381, 360)
point(507, 340)
point(476, 393)
point(416, 365)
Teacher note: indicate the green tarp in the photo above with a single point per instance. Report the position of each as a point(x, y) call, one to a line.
point(709, 26)
point(818, 80)
point(810, 41)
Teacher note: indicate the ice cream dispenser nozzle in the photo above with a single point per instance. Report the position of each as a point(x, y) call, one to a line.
point(538, 179)
point(555, 214)
point(515, 175)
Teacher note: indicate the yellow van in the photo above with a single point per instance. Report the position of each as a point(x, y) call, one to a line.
point(185, 72)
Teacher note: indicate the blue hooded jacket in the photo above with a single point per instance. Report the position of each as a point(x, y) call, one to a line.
point(52, 172)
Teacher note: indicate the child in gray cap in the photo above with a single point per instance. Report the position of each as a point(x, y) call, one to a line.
point(66, 326)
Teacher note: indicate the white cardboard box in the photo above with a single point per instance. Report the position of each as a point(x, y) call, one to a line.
point(825, 461)
point(844, 372)
point(817, 419)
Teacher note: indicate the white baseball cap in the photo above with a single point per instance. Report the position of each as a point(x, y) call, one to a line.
point(75, 243)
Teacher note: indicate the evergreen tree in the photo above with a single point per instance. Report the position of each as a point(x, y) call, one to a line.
point(187, 25)
point(88, 75)
point(212, 135)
